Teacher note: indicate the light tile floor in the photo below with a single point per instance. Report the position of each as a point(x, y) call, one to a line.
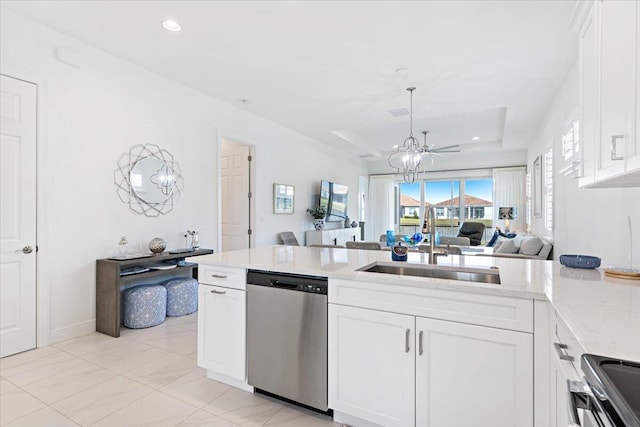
point(147, 377)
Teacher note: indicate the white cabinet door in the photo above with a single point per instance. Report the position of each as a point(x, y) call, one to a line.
point(560, 405)
point(618, 65)
point(372, 365)
point(472, 375)
point(633, 158)
point(222, 331)
point(589, 93)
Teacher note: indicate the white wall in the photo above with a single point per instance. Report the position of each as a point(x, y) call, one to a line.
point(89, 116)
point(587, 221)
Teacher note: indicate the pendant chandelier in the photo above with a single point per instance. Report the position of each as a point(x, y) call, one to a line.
point(408, 157)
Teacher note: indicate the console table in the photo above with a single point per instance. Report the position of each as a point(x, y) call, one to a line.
point(334, 236)
point(110, 283)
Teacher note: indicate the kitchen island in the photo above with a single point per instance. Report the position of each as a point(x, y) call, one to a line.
point(400, 347)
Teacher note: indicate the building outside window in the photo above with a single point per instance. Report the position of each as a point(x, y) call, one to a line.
point(454, 200)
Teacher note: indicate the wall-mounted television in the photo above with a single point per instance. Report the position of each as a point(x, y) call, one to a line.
point(334, 197)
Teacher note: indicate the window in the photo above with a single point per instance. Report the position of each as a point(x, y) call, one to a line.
point(548, 189)
point(445, 196)
point(478, 201)
point(410, 221)
point(456, 199)
point(571, 147)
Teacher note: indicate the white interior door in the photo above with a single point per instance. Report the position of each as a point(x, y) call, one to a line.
point(18, 216)
point(234, 165)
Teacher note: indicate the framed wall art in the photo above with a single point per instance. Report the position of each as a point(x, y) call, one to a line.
point(283, 199)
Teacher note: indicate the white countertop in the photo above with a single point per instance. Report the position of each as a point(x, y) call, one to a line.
point(603, 313)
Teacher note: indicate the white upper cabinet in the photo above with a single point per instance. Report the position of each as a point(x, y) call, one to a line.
point(589, 92)
point(618, 64)
point(608, 89)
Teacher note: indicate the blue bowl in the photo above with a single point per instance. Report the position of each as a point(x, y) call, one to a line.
point(580, 261)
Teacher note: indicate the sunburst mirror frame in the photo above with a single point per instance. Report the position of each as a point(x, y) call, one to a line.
point(122, 178)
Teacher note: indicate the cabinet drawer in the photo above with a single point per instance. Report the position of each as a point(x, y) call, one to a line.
point(485, 310)
point(228, 277)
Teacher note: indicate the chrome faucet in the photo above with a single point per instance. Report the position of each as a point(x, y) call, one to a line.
point(430, 225)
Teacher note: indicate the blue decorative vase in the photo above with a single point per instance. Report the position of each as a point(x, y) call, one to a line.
point(391, 238)
point(318, 224)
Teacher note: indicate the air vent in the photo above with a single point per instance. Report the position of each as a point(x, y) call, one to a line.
point(399, 112)
point(367, 156)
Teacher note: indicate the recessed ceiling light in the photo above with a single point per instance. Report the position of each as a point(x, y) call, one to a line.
point(402, 70)
point(171, 25)
point(245, 101)
point(476, 138)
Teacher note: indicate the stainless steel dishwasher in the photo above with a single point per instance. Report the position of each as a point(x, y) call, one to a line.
point(287, 336)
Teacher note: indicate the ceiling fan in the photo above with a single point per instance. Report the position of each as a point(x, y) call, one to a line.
point(431, 149)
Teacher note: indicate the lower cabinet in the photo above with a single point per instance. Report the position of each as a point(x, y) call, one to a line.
point(372, 365)
point(472, 375)
point(222, 331)
point(400, 370)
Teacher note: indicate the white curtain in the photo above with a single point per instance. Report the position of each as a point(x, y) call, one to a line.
point(380, 216)
point(509, 190)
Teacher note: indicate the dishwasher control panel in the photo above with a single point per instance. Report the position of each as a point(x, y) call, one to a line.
point(316, 289)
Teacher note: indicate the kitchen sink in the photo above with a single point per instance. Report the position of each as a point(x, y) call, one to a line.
point(483, 275)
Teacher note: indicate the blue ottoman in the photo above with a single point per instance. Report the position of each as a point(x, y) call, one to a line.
point(182, 296)
point(145, 306)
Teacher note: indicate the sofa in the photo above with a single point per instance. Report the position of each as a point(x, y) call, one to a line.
point(526, 246)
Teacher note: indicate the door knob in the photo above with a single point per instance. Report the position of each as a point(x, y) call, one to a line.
point(26, 250)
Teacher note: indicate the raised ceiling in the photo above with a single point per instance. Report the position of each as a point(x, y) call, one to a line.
point(328, 68)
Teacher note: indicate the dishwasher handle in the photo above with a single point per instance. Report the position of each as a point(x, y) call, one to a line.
point(282, 284)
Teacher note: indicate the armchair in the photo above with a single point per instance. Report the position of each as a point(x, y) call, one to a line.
point(472, 230)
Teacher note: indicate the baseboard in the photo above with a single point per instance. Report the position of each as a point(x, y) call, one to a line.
point(242, 385)
point(342, 418)
point(73, 331)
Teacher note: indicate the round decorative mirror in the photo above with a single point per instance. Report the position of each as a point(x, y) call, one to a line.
point(148, 179)
point(152, 180)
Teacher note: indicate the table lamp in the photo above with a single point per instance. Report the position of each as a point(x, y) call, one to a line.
point(507, 213)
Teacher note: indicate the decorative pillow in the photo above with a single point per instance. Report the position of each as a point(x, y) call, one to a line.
point(531, 246)
point(519, 239)
point(507, 247)
point(546, 250)
point(500, 241)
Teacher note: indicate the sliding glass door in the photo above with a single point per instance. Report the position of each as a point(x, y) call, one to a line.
point(410, 213)
point(478, 202)
point(455, 201)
